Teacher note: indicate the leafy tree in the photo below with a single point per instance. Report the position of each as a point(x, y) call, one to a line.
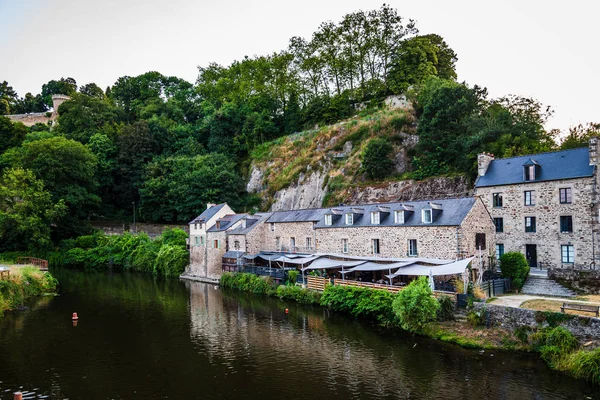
point(415, 306)
point(26, 211)
point(175, 188)
point(30, 104)
point(83, 116)
point(376, 158)
point(105, 151)
point(580, 135)
point(11, 134)
point(92, 90)
point(8, 98)
point(514, 266)
point(66, 86)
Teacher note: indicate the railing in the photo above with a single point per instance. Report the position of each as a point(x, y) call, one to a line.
point(495, 287)
point(316, 282)
point(276, 273)
point(393, 289)
point(38, 262)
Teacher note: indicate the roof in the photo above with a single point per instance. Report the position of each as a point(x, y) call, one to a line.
point(307, 215)
point(226, 222)
point(208, 214)
point(252, 221)
point(233, 254)
point(448, 212)
point(565, 164)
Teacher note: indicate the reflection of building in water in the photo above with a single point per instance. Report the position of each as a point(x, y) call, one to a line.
point(254, 337)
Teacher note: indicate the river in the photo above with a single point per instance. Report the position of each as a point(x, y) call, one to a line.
point(143, 337)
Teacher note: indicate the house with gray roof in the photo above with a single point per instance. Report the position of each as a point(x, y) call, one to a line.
point(543, 205)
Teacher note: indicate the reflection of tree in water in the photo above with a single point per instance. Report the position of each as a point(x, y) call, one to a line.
point(334, 354)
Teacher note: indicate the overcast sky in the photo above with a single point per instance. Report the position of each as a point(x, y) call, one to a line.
point(548, 49)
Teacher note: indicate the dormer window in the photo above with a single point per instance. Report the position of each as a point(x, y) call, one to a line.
point(375, 218)
point(531, 170)
point(218, 224)
point(398, 217)
point(349, 219)
point(427, 216)
point(328, 218)
point(244, 224)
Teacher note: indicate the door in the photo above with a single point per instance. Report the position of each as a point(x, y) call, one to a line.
point(531, 255)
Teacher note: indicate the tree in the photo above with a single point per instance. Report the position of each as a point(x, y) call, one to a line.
point(83, 116)
point(11, 134)
point(92, 90)
point(376, 160)
point(514, 266)
point(415, 306)
point(580, 135)
point(66, 86)
point(26, 211)
point(8, 98)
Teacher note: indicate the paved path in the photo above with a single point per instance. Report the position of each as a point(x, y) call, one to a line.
point(518, 299)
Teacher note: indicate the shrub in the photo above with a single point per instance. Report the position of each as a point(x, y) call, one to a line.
point(376, 161)
point(447, 308)
point(562, 338)
point(360, 302)
point(246, 282)
point(522, 333)
point(414, 306)
point(477, 318)
point(514, 266)
point(585, 365)
point(303, 296)
point(292, 276)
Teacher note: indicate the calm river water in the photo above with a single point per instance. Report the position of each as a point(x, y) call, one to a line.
point(146, 338)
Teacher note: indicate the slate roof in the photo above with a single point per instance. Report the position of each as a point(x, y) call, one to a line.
point(307, 215)
point(207, 214)
point(565, 164)
point(226, 222)
point(453, 212)
point(252, 221)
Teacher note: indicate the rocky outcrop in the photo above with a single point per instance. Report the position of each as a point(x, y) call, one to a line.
point(308, 192)
point(433, 188)
point(255, 180)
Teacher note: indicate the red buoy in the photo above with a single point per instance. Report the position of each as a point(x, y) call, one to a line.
point(75, 317)
point(287, 311)
point(18, 396)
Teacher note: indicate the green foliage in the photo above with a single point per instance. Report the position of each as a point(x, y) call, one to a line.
point(376, 159)
point(447, 308)
point(514, 266)
point(292, 276)
point(522, 333)
point(584, 364)
point(477, 318)
point(360, 302)
point(414, 306)
point(11, 134)
point(17, 289)
point(244, 282)
point(552, 318)
point(298, 294)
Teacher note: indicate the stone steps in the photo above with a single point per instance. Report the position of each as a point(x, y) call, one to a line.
point(541, 285)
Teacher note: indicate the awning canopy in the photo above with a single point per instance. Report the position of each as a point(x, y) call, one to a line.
point(457, 267)
point(233, 254)
point(326, 263)
point(296, 260)
point(372, 266)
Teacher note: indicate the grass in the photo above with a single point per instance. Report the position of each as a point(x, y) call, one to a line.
point(24, 282)
point(552, 306)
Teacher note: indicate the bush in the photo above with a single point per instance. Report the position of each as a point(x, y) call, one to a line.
point(246, 282)
point(514, 266)
point(298, 294)
point(585, 365)
point(376, 161)
point(477, 318)
point(360, 302)
point(414, 306)
point(292, 276)
point(447, 308)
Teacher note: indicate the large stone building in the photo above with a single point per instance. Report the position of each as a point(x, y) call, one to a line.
point(46, 118)
point(443, 229)
point(543, 205)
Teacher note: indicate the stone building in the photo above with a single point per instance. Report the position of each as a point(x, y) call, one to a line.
point(543, 205)
point(42, 117)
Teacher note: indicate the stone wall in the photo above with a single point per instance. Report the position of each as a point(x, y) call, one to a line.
point(31, 119)
point(510, 318)
point(216, 246)
point(547, 210)
point(478, 220)
point(582, 280)
point(287, 230)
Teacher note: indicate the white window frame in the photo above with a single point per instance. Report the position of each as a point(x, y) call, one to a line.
point(345, 246)
point(292, 243)
point(244, 223)
point(399, 217)
point(568, 195)
point(202, 240)
point(529, 201)
point(373, 247)
point(499, 246)
point(349, 219)
point(308, 242)
point(375, 219)
point(426, 212)
point(328, 219)
point(413, 251)
point(570, 254)
point(197, 240)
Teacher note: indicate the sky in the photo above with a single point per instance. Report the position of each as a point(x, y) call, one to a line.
point(547, 50)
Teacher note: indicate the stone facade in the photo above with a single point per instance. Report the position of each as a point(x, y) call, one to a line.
point(285, 235)
point(584, 281)
point(42, 117)
point(547, 211)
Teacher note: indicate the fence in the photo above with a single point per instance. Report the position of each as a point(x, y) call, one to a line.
point(38, 262)
point(495, 287)
point(393, 289)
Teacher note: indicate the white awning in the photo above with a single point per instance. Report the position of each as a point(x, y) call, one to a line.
point(372, 266)
point(326, 263)
point(296, 260)
point(457, 267)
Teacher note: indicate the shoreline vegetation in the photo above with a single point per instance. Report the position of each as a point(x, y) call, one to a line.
point(24, 283)
point(415, 310)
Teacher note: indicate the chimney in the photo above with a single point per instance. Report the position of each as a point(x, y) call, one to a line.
point(593, 145)
point(209, 205)
point(483, 162)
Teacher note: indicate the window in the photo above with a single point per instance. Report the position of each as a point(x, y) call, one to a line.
point(529, 172)
point(292, 243)
point(349, 219)
point(529, 199)
point(566, 224)
point(328, 219)
point(497, 199)
point(567, 252)
point(499, 250)
point(344, 246)
point(308, 243)
point(215, 244)
point(480, 241)
point(399, 217)
point(272, 227)
point(412, 247)
point(277, 243)
point(529, 224)
point(195, 226)
point(197, 240)
point(202, 240)
point(375, 246)
point(375, 217)
point(244, 223)
point(565, 195)
point(236, 244)
point(426, 216)
point(499, 222)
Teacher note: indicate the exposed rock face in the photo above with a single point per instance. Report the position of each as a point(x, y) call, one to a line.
point(255, 181)
point(308, 192)
point(433, 188)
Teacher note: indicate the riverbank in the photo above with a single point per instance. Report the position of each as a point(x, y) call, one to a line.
point(557, 346)
point(23, 283)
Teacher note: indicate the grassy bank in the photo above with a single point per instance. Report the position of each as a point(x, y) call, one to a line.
point(24, 283)
point(414, 309)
